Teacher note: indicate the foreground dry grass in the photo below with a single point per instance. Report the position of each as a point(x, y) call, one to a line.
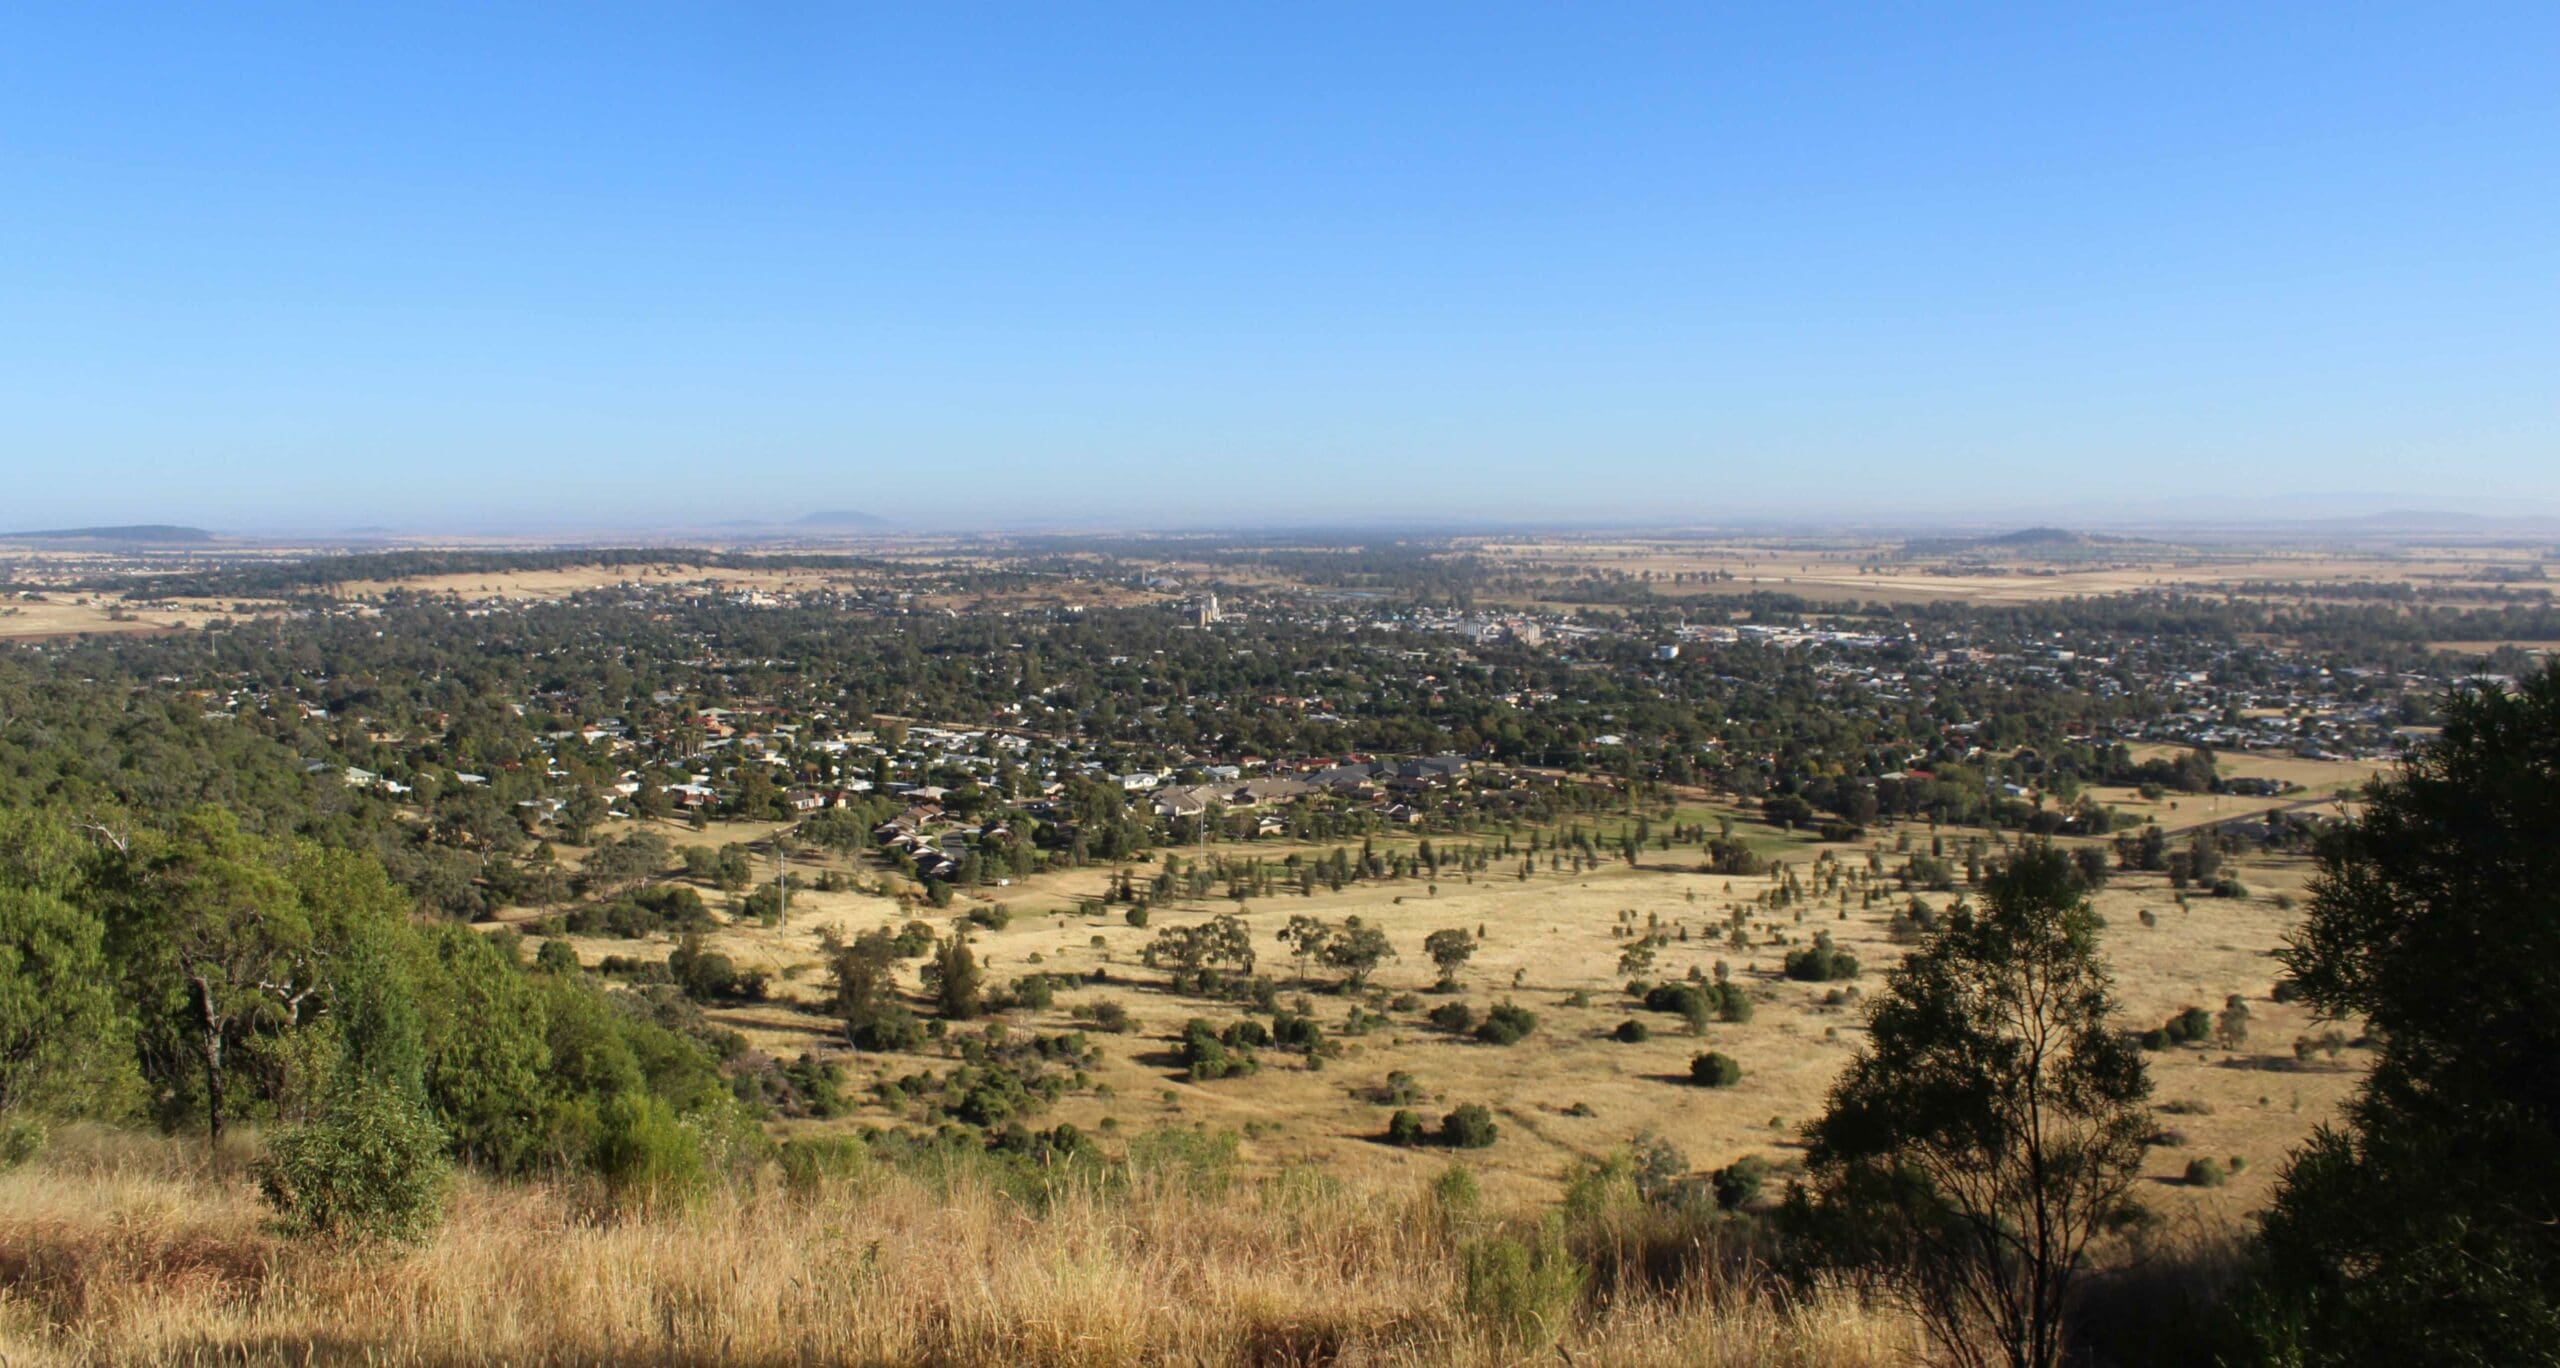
point(115, 1250)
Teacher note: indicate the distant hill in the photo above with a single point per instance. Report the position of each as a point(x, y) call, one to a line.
point(2030, 541)
point(2046, 537)
point(840, 517)
point(134, 534)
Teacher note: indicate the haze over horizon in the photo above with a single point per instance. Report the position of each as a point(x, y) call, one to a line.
point(317, 269)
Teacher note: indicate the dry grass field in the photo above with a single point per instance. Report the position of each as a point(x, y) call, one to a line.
point(1856, 571)
point(121, 1250)
point(76, 614)
point(2321, 785)
point(1552, 944)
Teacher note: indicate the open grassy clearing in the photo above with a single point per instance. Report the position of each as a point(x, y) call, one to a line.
point(1552, 944)
point(74, 614)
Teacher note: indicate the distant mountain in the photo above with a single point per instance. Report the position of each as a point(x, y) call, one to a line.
point(136, 534)
point(840, 517)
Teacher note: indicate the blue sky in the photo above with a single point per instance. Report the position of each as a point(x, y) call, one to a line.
point(271, 266)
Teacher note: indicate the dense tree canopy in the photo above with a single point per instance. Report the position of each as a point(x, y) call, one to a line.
point(2426, 1228)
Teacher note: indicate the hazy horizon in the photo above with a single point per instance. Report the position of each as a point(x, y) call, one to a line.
point(2308, 516)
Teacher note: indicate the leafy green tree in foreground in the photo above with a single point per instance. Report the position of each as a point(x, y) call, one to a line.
point(1993, 1126)
point(2426, 1229)
point(65, 1046)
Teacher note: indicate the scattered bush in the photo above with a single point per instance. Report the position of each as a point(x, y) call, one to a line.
point(1713, 1070)
point(886, 1029)
point(1741, 1181)
point(1107, 1015)
point(373, 1168)
point(1457, 1018)
point(1294, 1031)
point(1469, 1127)
point(1455, 1190)
point(2190, 1027)
point(644, 1152)
point(22, 1138)
point(2206, 1172)
point(1632, 1032)
point(813, 1162)
point(1506, 1024)
point(1523, 1289)
point(1208, 1055)
point(1404, 1128)
point(1820, 962)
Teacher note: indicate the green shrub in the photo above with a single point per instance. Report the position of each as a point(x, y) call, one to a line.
point(1402, 1090)
point(372, 1168)
point(1522, 1288)
point(1693, 1000)
point(1820, 962)
point(1469, 1127)
point(1208, 1056)
point(1454, 1017)
point(1455, 1191)
point(814, 1162)
point(1740, 1181)
point(1292, 1031)
point(1632, 1032)
point(886, 1028)
point(1506, 1024)
point(1713, 1070)
point(644, 1152)
point(2206, 1173)
point(1107, 1015)
point(21, 1139)
point(1404, 1128)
